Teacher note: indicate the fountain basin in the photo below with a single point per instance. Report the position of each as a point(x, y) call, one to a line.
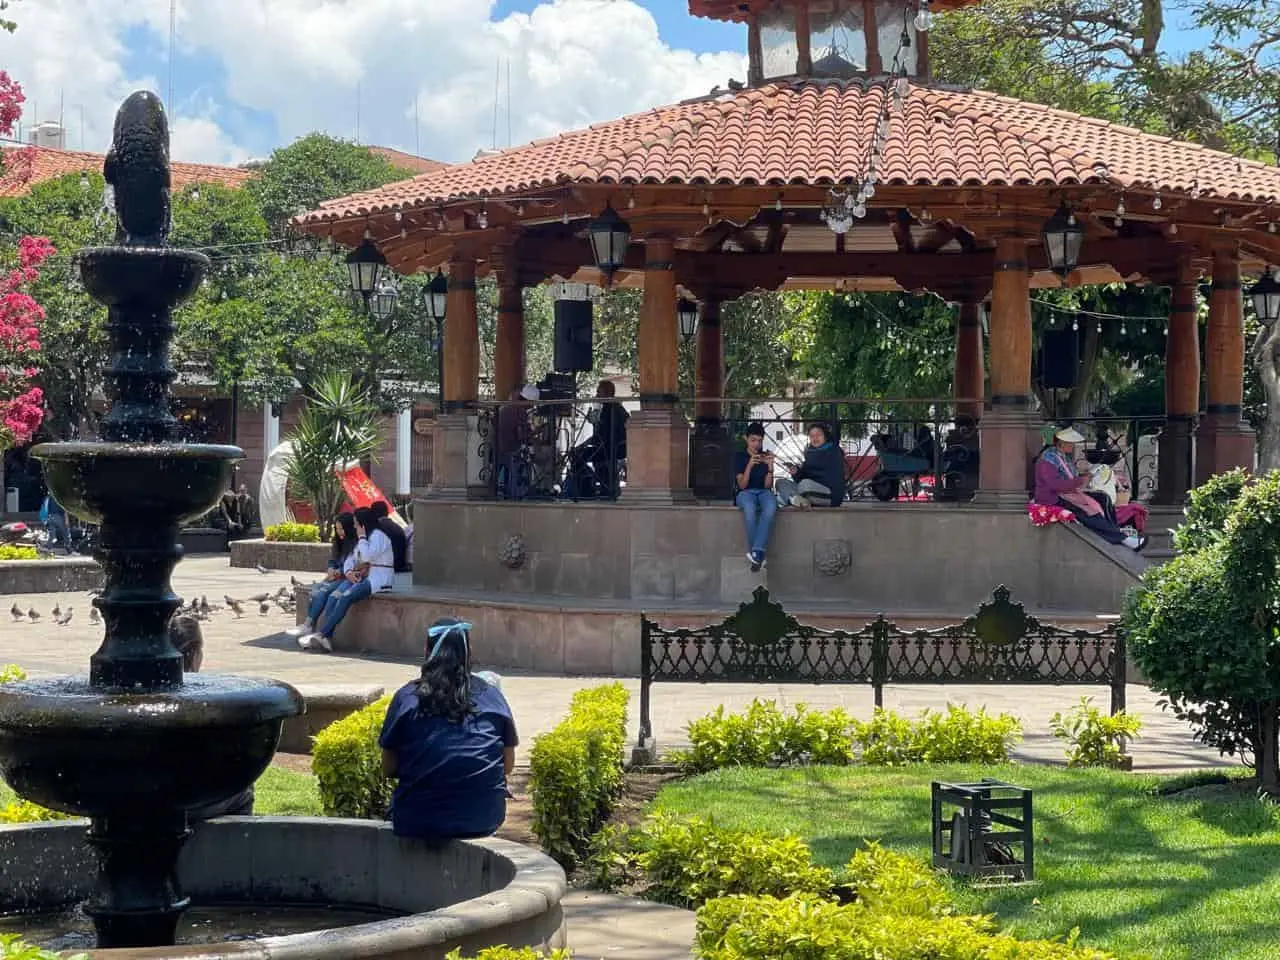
point(86, 752)
point(469, 894)
point(166, 483)
point(127, 275)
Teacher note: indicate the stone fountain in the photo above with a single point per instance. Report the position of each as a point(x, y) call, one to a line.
point(135, 746)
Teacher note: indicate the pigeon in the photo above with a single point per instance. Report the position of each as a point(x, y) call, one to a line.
point(16, 612)
point(293, 581)
point(94, 615)
point(260, 598)
point(204, 605)
point(63, 620)
point(263, 570)
point(283, 592)
point(236, 608)
point(32, 615)
point(56, 612)
point(263, 608)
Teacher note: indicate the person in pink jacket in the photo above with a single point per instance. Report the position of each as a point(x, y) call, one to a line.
point(1059, 484)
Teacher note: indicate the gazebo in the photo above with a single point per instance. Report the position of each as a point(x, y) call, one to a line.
point(840, 164)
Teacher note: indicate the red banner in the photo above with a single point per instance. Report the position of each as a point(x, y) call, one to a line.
point(362, 492)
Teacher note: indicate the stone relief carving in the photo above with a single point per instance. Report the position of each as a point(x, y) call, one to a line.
point(512, 554)
point(831, 558)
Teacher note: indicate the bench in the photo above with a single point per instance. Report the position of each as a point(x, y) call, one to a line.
point(326, 703)
point(761, 643)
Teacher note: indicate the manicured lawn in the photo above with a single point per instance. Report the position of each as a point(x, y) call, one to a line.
point(1145, 875)
point(278, 792)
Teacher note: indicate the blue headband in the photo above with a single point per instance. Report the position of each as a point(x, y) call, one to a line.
point(440, 632)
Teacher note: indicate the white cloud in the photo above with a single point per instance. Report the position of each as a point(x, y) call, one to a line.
point(300, 62)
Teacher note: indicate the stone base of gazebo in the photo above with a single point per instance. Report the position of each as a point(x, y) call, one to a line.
point(559, 587)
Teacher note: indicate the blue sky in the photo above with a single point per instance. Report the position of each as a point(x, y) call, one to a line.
point(251, 75)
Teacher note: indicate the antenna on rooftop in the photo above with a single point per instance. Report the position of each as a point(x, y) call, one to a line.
point(508, 101)
point(497, 74)
point(357, 111)
point(417, 128)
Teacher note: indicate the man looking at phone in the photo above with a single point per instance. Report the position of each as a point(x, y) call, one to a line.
point(753, 475)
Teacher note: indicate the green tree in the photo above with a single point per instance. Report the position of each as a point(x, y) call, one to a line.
point(313, 169)
point(1203, 627)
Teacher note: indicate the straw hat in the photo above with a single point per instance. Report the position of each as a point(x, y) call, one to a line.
point(1069, 435)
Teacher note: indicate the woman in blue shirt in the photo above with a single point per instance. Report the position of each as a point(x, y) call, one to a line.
point(450, 740)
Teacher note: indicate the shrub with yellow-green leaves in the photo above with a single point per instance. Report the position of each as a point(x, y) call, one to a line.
point(292, 533)
point(347, 762)
point(575, 771)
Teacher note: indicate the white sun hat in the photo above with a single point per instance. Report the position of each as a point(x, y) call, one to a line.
point(1069, 435)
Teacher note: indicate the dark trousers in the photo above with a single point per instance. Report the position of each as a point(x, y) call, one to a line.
point(1099, 524)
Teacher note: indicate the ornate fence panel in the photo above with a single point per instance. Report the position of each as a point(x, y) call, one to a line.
point(762, 643)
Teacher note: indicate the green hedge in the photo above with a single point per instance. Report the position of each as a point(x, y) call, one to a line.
point(512, 953)
point(17, 551)
point(803, 927)
point(12, 948)
point(764, 736)
point(347, 762)
point(12, 673)
point(293, 533)
point(575, 771)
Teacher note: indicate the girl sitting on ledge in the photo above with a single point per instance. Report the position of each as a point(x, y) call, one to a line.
point(450, 740)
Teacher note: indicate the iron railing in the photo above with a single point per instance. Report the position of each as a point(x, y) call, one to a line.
point(555, 449)
point(1129, 445)
point(761, 643)
point(894, 450)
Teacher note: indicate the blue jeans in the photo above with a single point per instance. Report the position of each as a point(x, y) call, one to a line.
point(58, 532)
point(758, 508)
point(320, 594)
point(339, 602)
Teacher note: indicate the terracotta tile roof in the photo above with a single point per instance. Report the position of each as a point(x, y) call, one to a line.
point(49, 164)
point(818, 132)
point(408, 161)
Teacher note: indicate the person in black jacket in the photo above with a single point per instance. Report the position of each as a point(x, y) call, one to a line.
point(395, 533)
point(819, 481)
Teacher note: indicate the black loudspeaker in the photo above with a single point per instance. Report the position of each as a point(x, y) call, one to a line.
point(1059, 359)
point(573, 336)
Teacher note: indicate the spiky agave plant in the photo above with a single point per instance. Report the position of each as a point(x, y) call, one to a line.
point(338, 425)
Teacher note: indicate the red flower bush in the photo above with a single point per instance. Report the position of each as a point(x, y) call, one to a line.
point(21, 403)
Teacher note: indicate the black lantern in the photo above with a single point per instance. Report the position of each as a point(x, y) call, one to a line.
point(366, 265)
point(1063, 237)
point(437, 296)
point(1265, 295)
point(610, 236)
point(383, 301)
point(687, 314)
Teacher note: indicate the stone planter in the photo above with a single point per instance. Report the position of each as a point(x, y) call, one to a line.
point(52, 575)
point(274, 555)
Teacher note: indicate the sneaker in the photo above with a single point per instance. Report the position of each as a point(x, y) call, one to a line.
point(1133, 543)
point(801, 503)
point(757, 561)
point(304, 642)
point(301, 630)
point(321, 642)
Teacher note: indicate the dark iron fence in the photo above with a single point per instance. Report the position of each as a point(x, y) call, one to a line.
point(903, 450)
point(912, 450)
point(762, 643)
point(554, 449)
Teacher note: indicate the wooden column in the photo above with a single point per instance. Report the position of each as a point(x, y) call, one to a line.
point(804, 52)
point(709, 381)
point(1007, 431)
point(871, 37)
point(658, 435)
point(453, 440)
point(1222, 441)
point(508, 353)
point(1181, 390)
point(968, 385)
point(461, 337)
point(659, 328)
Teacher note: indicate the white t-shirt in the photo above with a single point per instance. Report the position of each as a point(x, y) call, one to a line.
point(375, 550)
